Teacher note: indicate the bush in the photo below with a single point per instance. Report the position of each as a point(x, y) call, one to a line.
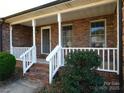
point(7, 65)
point(79, 75)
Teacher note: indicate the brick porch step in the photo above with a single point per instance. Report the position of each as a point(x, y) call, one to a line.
point(38, 72)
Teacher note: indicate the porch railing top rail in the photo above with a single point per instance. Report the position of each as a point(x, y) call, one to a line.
point(86, 48)
point(53, 53)
point(109, 57)
point(27, 51)
point(28, 58)
point(54, 59)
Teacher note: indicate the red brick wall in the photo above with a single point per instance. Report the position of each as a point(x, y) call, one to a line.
point(6, 37)
point(22, 36)
point(81, 32)
point(123, 25)
point(123, 36)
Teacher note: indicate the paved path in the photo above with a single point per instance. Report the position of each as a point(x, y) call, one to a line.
point(21, 86)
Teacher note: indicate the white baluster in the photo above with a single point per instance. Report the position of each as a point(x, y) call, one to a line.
point(114, 59)
point(103, 61)
point(65, 51)
point(108, 59)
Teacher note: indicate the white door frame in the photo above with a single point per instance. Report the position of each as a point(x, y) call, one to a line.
point(45, 27)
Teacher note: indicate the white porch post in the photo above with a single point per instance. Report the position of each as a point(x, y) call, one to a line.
point(59, 28)
point(11, 47)
point(34, 24)
point(61, 57)
point(118, 36)
point(34, 42)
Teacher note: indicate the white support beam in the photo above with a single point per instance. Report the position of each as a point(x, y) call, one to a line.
point(11, 47)
point(59, 37)
point(118, 36)
point(34, 42)
point(34, 30)
point(59, 29)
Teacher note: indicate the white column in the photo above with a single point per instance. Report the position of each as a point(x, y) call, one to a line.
point(59, 29)
point(118, 36)
point(61, 60)
point(11, 47)
point(33, 25)
point(34, 42)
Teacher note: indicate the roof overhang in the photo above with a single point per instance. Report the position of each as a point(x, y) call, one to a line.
point(62, 8)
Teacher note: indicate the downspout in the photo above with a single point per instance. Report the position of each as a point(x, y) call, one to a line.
point(1, 29)
point(120, 47)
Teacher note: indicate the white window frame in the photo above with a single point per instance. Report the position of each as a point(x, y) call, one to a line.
point(62, 31)
point(45, 27)
point(105, 21)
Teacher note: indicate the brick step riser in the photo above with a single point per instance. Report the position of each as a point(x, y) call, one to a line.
point(38, 72)
point(38, 77)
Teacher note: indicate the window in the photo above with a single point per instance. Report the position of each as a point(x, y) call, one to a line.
point(67, 35)
point(98, 34)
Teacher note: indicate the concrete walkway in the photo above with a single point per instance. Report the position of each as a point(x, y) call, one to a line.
point(21, 86)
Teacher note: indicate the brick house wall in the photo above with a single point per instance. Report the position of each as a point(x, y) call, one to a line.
point(123, 34)
point(123, 25)
point(22, 35)
point(6, 37)
point(81, 32)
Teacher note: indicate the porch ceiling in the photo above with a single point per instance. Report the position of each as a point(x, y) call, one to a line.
point(70, 10)
point(99, 10)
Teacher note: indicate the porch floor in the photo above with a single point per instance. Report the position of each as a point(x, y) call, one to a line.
point(42, 61)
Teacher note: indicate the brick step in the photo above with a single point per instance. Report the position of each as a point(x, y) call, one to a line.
point(37, 76)
point(38, 72)
point(39, 69)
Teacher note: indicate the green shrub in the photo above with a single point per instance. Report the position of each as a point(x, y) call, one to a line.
point(79, 75)
point(7, 65)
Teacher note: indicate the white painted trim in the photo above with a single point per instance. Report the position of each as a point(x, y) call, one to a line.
point(66, 10)
point(118, 36)
point(105, 30)
point(68, 50)
point(11, 47)
point(45, 27)
point(68, 24)
point(34, 30)
point(59, 29)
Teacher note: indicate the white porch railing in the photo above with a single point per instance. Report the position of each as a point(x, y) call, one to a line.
point(54, 59)
point(28, 58)
point(109, 57)
point(18, 51)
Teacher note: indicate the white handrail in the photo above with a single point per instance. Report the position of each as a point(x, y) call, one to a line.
point(54, 59)
point(26, 52)
point(28, 58)
point(53, 53)
point(86, 48)
point(109, 57)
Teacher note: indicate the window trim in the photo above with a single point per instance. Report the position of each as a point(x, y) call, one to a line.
point(69, 24)
point(105, 22)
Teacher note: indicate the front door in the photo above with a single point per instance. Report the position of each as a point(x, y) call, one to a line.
point(45, 40)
